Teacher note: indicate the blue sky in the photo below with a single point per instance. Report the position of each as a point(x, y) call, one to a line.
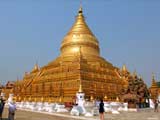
point(32, 30)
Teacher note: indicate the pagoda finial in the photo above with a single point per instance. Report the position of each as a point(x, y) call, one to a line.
point(134, 73)
point(92, 98)
point(153, 77)
point(80, 8)
point(140, 77)
point(60, 99)
point(124, 68)
point(77, 32)
point(105, 97)
point(35, 67)
point(117, 99)
point(80, 88)
point(153, 81)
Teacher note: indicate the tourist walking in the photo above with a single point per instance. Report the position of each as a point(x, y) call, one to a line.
point(101, 110)
point(2, 103)
point(11, 110)
point(155, 105)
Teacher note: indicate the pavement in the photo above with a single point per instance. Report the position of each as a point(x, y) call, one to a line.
point(143, 114)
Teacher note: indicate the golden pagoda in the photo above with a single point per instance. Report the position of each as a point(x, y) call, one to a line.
point(79, 64)
point(154, 89)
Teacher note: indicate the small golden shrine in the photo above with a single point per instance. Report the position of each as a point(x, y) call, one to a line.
point(154, 89)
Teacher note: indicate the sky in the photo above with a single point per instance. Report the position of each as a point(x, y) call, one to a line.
point(31, 31)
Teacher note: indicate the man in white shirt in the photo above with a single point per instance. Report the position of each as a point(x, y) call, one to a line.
point(11, 110)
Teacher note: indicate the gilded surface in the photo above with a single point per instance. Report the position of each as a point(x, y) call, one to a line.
point(78, 65)
point(154, 89)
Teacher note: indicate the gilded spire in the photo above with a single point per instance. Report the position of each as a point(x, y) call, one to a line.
point(42, 99)
point(80, 10)
point(153, 81)
point(80, 26)
point(124, 68)
point(80, 35)
point(35, 68)
point(92, 98)
point(135, 73)
point(140, 77)
point(117, 99)
point(153, 78)
point(60, 99)
point(105, 97)
point(80, 88)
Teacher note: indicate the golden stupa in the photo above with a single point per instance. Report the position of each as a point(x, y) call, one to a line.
point(154, 89)
point(78, 65)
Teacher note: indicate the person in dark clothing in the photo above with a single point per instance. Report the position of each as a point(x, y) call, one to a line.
point(101, 110)
point(155, 105)
point(2, 103)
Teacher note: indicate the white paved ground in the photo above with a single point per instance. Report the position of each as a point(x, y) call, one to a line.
point(147, 114)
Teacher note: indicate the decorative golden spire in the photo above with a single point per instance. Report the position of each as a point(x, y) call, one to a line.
point(117, 99)
point(79, 35)
point(80, 9)
point(153, 78)
point(80, 88)
point(105, 97)
point(140, 77)
point(35, 68)
point(124, 68)
point(60, 99)
point(42, 99)
point(80, 26)
point(19, 98)
point(24, 98)
point(35, 99)
point(50, 100)
point(134, 73)
point(153, 85)
point(30, 99)
point(92, 98)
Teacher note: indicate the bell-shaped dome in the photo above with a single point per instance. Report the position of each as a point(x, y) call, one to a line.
point(80, 36)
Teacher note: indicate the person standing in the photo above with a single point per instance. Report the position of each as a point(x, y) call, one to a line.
point(155, 105)
point(101, 110)
point(11, 110)
point(2, 103)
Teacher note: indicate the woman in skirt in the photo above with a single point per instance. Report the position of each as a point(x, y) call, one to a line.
point(101, 110)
